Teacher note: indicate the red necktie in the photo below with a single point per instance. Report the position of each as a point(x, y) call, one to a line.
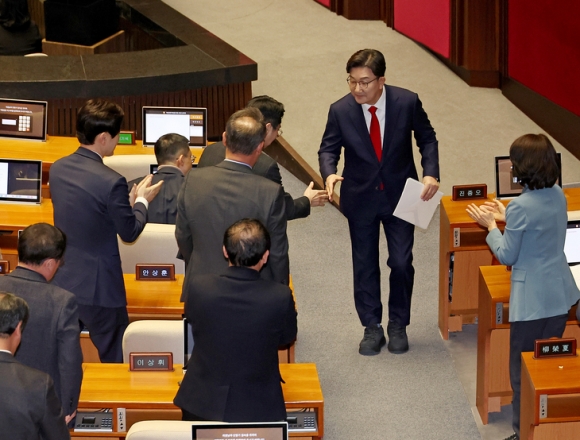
point(375, 132)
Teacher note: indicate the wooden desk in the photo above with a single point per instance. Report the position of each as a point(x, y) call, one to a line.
point(493, 387)
point(462, 249)
point(149, 395)
point(550, 407)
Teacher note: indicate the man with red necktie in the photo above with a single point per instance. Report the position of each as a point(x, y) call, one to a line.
point(374, 124)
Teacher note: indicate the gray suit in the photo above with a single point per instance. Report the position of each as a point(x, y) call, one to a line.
point(214, 198)
point(51, 340)
point(29, 406)
point(266, 167)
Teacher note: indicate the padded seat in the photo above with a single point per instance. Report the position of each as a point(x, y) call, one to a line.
point(162, 430)
point(155, 245)
point(130, 166)
point(154, 336)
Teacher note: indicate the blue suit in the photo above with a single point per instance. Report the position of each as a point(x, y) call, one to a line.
point(542, 286)
point(91, 206)
point(371, 190)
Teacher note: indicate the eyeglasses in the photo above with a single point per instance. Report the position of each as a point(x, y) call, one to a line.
point(193, 159)
point(280, 132)
point(363, 85)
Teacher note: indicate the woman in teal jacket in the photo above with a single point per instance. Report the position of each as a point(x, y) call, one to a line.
point(542, 286)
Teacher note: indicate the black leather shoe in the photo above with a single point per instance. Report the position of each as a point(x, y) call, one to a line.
point(398, 342)
point(372, 341)
point(514, 436)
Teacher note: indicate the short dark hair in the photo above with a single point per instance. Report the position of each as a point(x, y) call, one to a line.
point(245, 130)
point(39, 242)
point(534, 161)
point(272, 110)
point(246, 242)
point(169, 147)
point(14, 15)
point(13, 310)
point(98, 116)
point(371, 58)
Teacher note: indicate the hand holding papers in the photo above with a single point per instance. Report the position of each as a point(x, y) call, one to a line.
point(414, 210)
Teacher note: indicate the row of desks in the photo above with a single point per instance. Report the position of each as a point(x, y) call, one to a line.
point(462, 250)
point(146, 395)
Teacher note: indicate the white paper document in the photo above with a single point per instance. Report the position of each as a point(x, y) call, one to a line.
point(414, 210)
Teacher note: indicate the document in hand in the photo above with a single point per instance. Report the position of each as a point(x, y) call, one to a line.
point(414, 210)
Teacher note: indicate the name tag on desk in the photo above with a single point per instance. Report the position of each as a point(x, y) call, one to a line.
point(155, 272)
point(554, 347)
point(151, 361)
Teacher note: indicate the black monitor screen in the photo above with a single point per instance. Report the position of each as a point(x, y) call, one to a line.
point(20, 180)
point(23, 119)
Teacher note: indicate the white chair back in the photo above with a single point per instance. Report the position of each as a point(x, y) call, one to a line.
point(154, 336)
point(155, 245)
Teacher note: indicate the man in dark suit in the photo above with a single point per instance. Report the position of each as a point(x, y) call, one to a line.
point(215, 197)
point(374, 124)
point(92, 204)
point(29, 406)
point(51, 342)
point(175, 161)
point(238, 322)
point(265, 166)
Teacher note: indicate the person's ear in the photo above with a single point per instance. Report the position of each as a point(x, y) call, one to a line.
point(225, 253)
point(224, 139)
point(264, 259)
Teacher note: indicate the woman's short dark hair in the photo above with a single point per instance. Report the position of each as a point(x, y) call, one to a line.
point(534, 161)
point(98, 116)
point(371, 58)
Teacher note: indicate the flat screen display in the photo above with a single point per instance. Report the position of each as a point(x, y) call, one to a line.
point(572, 243)
point(190, 122)
point(23, 119)
point(20, 181)
point(255, 431)
point(506, 185)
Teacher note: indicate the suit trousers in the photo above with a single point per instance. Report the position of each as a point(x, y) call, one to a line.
point(364, 236)
point(523, 334)
point(106, 327)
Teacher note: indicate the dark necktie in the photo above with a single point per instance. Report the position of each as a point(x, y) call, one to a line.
point(375, 132)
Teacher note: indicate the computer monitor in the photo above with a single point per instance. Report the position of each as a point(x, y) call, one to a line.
point(22, 119)
point(263, 431)
point(20, 181)
point(506, 185)
point(572, 243)
point(190, 122)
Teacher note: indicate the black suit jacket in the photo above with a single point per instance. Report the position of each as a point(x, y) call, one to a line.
point(265, 167)
point(91, 206)
point(29, 407)
point(211, 200)
point(163, 208)
point(238, 322)
point(51, 340)
point(363, 174)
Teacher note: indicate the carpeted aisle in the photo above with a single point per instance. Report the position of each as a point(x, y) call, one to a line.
point(301, 49)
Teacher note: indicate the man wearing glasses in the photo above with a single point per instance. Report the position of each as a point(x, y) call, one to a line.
point(265, 166)
point(374, 124)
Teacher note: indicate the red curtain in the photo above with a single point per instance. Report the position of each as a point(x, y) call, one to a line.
point(544, 48)
point(425, 21)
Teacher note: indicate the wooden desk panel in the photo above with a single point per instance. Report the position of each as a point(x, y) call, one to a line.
point(493, 389)
point(114, 386)
point(462, 250)
point(556, 379)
